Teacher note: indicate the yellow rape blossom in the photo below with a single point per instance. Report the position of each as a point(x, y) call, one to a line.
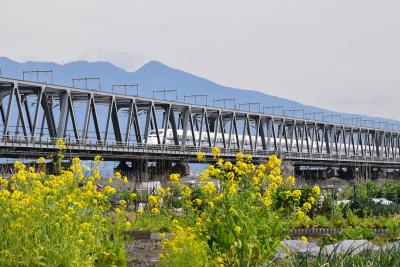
point(237, 229)
point(200, 156)
point(118, 210)
point(239, 156)
point(117, 175)
point(220, 163)
point(216, 152)
point(3, 181)
point(267, 199)
point(228, 165)
point(307, 206)
point(273, 187)
point(296, 194)
point(209, 188)
point(139, 211)
point(300, 214)
point(230, 176)
point(290, 180)
point(153, 200)
point(174, 177)
point(232, 188)
point(60, 144)
point(249, 158)
point(109, 190)
point(203, 176)
point(219, 260)
point(127, 225)
point(155, 211)
point(122, 202)
point(316, 190)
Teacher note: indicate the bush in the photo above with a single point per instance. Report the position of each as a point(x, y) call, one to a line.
point(393, 228)
point(183, 248)
point(59, 220)
point(239, 224)
point(327, 205)
point(358, 232)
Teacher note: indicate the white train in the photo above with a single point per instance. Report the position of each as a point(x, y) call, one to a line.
point(152, 140)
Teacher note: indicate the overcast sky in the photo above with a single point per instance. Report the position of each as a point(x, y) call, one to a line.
point(340, 54)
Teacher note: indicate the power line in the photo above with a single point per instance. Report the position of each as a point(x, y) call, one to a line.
point(38, 72)
point(125, 86)
point(273, 109)
point(251, 104)
point(224, 100)
point(164, 92)
point(195, 98)
point(294, 111)
point(314, 113)
point(86, 80)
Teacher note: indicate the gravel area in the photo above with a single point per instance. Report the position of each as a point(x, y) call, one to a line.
point(143, 252)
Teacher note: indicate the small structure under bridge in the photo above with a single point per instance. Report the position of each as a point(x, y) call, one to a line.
point(139, 131)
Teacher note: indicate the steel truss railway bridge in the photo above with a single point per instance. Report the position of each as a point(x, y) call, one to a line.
point(117, 127)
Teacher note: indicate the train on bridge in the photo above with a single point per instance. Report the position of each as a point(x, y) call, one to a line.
point(33, 116)
point(220, 139)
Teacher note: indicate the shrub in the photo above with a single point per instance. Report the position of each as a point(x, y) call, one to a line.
point(393, 228)
point(59, 220)
point(183, 248)
point(242, 222)
point(327, 205)
point(358, 232)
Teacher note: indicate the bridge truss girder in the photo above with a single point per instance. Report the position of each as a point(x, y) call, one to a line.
point(35, 114)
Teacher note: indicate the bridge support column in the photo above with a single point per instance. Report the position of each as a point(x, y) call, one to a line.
point(140, 171)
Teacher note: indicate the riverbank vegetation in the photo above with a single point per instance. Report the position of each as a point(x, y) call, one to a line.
point(236, 215)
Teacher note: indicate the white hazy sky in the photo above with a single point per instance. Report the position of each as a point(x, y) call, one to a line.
point(340, 54)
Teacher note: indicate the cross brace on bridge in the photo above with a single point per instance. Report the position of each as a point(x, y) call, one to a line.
point(122, 127)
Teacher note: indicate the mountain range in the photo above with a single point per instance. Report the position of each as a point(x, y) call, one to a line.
point(158, 76)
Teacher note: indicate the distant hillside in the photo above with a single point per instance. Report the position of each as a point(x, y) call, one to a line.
point(156, 76)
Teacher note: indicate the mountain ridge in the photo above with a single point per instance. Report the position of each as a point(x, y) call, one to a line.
point(155, 75)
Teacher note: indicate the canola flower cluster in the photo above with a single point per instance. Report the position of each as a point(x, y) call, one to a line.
point(183, 245)
point(164, 197)
point(59, 220)
point(240, 221)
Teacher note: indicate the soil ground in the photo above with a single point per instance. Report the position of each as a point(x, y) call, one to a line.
point(143, 252)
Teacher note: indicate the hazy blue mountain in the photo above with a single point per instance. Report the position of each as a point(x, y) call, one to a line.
point(153, 76)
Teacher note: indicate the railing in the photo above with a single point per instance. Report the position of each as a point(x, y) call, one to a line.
point(104, 147)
